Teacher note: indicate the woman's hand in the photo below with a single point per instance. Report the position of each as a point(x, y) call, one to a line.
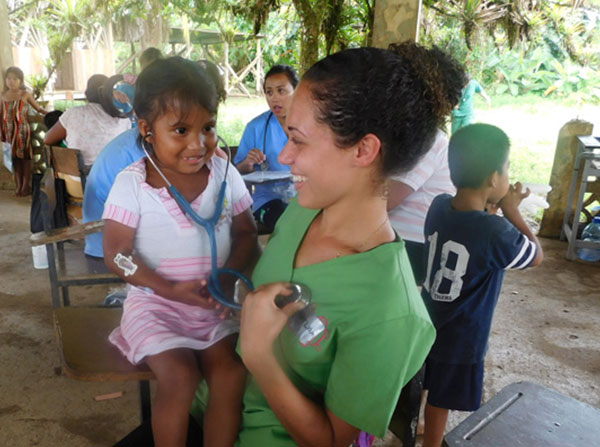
point(262, 321)
point(255, 156)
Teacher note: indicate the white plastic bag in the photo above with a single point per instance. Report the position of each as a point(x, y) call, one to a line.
point(535, 200)
point(7, 155)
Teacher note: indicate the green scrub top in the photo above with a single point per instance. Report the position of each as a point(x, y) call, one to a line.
point(377, 336)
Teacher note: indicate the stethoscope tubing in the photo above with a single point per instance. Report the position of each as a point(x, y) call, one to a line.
point(209, 225)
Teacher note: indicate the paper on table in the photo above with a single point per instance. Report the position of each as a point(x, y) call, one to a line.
point(266, 176)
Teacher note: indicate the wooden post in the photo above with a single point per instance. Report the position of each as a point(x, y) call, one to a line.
point(258, 72)
point(6, 57)
point(226, 65)
point(560, 179)
point(396, 21)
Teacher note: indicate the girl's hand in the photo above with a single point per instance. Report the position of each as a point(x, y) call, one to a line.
point(262, 321)
point(191, 292)
point(510, 202)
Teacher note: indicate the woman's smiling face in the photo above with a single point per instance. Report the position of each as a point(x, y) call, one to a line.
point(322, 171)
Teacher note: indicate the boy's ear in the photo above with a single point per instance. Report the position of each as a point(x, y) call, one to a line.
point(493, 179)
point(368, 148)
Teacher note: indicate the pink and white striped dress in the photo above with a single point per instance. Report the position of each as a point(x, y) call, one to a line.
point(175, 247)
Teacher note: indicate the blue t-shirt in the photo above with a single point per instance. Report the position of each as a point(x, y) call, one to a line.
point(467, 254)
point(116, 156)
point(272, 145)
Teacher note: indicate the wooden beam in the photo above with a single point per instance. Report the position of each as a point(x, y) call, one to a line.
point(6, 57)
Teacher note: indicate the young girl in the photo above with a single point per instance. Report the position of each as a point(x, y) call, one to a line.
point(14, 126)
point(169, 321)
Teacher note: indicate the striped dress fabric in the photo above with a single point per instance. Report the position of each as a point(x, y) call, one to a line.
point(15, 129)
point(175, 247)
point(430, 178)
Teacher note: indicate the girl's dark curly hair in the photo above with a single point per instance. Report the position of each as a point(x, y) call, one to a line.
point(399, 96)
point(175, 81)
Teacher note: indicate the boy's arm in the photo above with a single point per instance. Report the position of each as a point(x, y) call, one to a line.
point(510, 208)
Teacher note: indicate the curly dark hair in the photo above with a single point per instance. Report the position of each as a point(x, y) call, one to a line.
point(171, 81)
point(400, 96)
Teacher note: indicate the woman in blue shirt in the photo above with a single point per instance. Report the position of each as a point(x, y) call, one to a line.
point(262, 141)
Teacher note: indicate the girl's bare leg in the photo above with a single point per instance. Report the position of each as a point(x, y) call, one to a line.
point(26, 178)
point(18, 175)
point(226, 378)
point(435, 424)
point(177, 377)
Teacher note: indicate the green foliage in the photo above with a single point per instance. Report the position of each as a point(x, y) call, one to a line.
point(558, 56)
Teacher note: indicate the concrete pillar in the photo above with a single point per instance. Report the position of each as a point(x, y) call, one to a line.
point(560, 179)
point(396, 21)
point(6, 57)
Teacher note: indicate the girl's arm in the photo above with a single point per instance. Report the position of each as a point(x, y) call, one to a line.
point(244, 242)
point(31, 100)
point(119, 258)
point(55, 134)
point(307, 422)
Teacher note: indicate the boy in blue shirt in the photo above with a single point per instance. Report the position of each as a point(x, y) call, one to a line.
point(468, 249)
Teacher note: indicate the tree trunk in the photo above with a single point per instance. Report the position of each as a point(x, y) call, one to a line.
point(6, 57)
point(311, 14)
point(396, 21)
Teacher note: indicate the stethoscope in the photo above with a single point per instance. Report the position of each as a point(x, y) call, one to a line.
point(209, 225)
point(264, 166)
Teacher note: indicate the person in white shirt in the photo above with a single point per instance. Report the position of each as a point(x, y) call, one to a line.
point(89, 127)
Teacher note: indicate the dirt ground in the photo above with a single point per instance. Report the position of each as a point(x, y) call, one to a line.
point(545, 331)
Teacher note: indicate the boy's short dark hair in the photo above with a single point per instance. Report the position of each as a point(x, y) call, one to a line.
point(475, 152)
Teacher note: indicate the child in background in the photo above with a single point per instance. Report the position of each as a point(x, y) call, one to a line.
point(168, 320)
point(468, 250)
point(14, 126)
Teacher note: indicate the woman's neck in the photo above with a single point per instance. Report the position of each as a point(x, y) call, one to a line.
point(357, 225)
point(281, 122)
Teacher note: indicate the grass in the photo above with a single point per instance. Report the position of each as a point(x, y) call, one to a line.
point(234, 114)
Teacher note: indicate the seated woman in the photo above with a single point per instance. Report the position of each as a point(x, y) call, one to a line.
point(263, 140)
point(345, 142)
point(90, 127)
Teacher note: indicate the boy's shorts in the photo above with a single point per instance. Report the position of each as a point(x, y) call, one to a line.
point(454, 386)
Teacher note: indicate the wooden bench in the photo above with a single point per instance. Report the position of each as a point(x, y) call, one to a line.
point(86, 354)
